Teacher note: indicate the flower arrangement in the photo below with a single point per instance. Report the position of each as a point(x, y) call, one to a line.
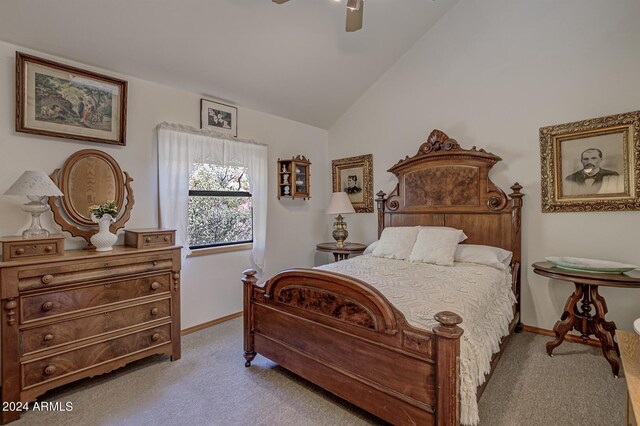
point(99, 210)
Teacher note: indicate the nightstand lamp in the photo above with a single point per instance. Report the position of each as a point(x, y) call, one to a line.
point(37, 186)
point(340, 204)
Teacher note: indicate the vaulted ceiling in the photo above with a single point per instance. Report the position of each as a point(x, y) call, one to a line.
point(294, 60)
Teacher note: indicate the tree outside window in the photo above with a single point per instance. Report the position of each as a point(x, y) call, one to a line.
point(220, 211)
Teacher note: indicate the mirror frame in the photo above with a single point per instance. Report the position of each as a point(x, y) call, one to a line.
point(65, 215)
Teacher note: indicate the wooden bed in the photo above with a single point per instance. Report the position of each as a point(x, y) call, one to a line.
point(345, 336)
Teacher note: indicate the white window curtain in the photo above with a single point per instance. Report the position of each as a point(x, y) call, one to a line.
point(179, 148)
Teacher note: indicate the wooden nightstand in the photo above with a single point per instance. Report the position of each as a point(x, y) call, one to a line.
point(343, 252)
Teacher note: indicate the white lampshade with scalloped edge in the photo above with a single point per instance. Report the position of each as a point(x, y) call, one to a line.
point(36, 186)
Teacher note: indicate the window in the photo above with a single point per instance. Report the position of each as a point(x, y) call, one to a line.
point(220, 210)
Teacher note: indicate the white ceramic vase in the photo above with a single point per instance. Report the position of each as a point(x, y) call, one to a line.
point(104, 239)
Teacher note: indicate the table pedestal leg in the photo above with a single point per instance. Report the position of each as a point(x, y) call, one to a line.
point(581, 319)
point(567, 320)
point(605, 331)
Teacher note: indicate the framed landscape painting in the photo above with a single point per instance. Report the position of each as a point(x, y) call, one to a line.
point(354, 175)
point(58, 100)
point(591, 165)
point(219, 117)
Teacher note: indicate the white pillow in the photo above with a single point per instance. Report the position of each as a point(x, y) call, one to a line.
point(371, 247)
point(396, 242)
point(484, 255)
point(463, 236)
point(436, 245)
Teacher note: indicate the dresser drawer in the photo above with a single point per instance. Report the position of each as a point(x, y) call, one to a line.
point(58, 366)
point(51, 335)
point(16, 249)
point(152, 240)
point(50, 275)
point(45, 305)
point(147, 238)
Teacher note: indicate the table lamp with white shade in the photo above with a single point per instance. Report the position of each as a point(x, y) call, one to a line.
point(340, 204)
point(37, 186)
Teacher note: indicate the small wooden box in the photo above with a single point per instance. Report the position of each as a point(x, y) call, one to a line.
point(151, 237)
point(16, 248)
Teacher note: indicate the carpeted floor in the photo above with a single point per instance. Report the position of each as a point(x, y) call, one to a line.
point(211, 386)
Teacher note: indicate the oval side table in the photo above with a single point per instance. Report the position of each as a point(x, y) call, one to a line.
point(586, 308)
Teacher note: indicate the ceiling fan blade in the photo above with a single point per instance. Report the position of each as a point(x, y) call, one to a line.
point(354, 18)
point(280, 1)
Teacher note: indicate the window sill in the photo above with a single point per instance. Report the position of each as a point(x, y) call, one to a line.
point(222, 249)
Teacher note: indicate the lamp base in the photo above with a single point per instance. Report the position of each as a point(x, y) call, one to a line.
point(36, 233)
point(340, 232)
point(36, 208)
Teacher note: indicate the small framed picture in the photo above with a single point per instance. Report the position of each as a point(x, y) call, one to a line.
point(591, 165)
point(58, 100)
point(354, 175)
point(219, 117)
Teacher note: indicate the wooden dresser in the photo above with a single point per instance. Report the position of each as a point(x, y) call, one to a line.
point(630, 353)
point(85, 313)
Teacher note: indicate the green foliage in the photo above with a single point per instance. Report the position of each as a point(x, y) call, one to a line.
point(210, 177)
point(215, 220)
point(99, 210)
point(219, 219)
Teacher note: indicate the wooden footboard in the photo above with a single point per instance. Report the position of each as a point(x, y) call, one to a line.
point(344, 335)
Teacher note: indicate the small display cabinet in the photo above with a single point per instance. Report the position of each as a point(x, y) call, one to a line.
point(293, 178)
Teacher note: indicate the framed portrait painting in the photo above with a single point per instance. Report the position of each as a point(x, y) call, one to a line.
point(58, 100)
point(219, 117)
point(591, 165)
point(354, 175)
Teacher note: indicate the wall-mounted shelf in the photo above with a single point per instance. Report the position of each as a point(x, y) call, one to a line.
point(294, 178)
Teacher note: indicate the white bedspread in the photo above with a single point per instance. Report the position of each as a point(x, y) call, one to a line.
point(481, 295)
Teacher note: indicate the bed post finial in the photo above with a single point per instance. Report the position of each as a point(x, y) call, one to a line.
point(380, 202)
point(249, 280)
point(447, 367)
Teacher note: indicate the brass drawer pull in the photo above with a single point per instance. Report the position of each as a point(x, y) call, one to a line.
point(155, 337)
point(148, 239)
point(155, 285)
point(46, 279)
point(50, 369)
point(154, 311)
point(48, 337)
point(48, 249)
point(166, 238)
point(20, 251)
point(46, 306)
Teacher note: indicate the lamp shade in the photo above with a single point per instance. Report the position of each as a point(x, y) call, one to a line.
point(33, 183)
point(340, 203)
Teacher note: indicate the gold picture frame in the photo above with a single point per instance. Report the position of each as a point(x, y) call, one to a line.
point(591, 165)
point(354, 175)
point(58, 100)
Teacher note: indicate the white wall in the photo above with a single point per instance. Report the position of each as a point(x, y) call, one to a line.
point(211, 285)
point(491, 73)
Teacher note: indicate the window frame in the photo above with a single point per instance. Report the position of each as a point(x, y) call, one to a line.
point(216, 193)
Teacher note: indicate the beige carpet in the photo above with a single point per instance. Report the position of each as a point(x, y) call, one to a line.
point(211, 386)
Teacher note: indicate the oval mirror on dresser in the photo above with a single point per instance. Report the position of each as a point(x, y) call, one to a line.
point(90, 177)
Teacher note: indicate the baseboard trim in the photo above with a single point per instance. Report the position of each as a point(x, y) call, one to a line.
point(209, 324)
point(569, 337)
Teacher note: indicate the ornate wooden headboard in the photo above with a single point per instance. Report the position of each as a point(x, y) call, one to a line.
point(446, 185)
